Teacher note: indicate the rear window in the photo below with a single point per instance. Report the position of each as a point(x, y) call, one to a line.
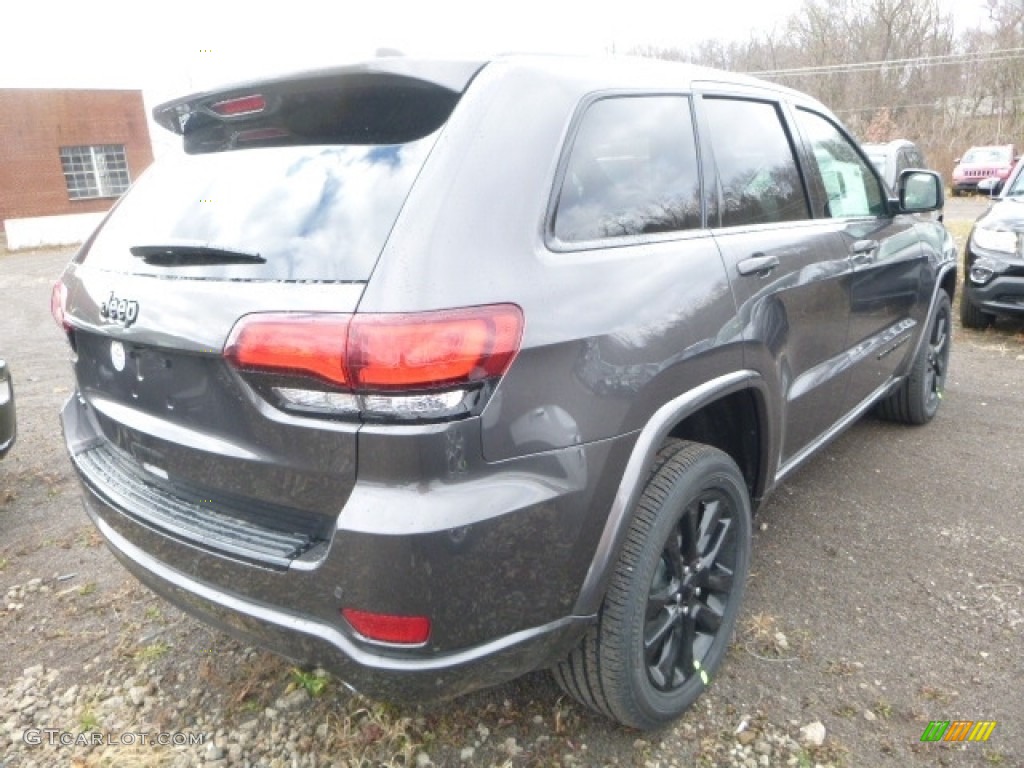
point(310, 212)
point(296, 178)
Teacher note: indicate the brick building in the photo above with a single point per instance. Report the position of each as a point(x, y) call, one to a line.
point(67, 152)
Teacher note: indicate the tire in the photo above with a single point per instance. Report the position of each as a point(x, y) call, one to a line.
point(971, 315)
point(917, 400)
point(677, 586)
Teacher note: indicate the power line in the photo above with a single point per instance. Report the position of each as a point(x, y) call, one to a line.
point(1002, 54)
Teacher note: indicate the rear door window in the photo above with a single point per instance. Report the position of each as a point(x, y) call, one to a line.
point(757, 169)
point(852, 188)
point(632, 170)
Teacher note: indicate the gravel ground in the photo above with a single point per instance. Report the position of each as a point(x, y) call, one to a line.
point(885, 593)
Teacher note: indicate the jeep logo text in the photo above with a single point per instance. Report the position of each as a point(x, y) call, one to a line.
point(120, 310)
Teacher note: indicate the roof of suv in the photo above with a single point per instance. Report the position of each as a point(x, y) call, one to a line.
point(586, 72)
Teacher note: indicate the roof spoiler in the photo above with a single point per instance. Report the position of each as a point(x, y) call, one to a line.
point(453, 76)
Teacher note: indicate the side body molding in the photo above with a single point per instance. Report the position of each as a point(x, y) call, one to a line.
point(633, 478)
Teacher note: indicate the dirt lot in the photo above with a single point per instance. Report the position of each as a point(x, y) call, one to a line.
point(886, 592)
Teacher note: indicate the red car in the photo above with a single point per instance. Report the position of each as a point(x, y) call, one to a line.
point(983, 169)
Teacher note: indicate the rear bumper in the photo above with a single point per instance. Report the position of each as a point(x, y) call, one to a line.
point(495, 558)
point(309, 641)
point(8, 421)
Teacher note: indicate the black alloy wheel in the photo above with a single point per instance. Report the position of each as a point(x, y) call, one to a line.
point(690, 591)
point(674, 597)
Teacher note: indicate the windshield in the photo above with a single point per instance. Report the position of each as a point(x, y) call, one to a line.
point(1016, 185)
point(308, 212)
point(987, 156)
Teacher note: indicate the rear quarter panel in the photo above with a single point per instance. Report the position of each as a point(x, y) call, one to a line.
point(611, 333)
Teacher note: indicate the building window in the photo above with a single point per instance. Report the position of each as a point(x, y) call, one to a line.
point(96, 171)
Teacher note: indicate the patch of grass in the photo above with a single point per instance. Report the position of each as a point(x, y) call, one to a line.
point(257, 679)
point(840, 668)
point(993, 757)
point(941, 695)
point(959, 230)
point(151, 652)
point(87, 720)
point(883, 709)
point(138, 756)
point(829, 753)
point(153, 613)
point(314, 683)
point(88, 537)
point(369, 735)
point(87, 589)
point(3, 564)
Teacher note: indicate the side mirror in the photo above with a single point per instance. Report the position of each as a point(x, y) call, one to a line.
point(920, 191)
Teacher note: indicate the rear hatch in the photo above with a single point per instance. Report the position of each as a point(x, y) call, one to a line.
point(283, 204)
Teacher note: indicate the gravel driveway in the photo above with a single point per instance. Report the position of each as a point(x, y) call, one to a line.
point(886, 593)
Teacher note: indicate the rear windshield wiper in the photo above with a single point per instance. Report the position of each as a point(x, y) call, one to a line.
point(192, 254)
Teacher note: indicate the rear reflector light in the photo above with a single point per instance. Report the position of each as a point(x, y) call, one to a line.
point(58, 301)
point(381, 353)
point(244, 105)
point(385, 628)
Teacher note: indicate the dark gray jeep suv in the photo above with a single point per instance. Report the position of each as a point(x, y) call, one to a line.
point(435, 373)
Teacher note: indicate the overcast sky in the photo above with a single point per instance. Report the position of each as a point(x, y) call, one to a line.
point(169, 49)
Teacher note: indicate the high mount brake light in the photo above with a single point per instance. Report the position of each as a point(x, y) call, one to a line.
point(397, 364)
point(243, 105)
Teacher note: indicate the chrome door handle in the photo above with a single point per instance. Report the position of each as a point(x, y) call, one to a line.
point(758, 264)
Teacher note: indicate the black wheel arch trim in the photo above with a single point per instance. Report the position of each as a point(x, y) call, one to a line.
point(940, 279)
point(638, 468)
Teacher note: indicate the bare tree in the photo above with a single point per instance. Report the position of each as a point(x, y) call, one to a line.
point(894, 69)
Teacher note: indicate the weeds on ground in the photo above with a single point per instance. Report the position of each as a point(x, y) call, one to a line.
point(371, 735)
point(314, 682)
point(87, 720)
point(762, 638)
point(151, 652)
point(941, 695)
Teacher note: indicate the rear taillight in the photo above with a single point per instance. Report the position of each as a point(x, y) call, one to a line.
point(387, 628)
point(58, 302)
point(433, 349)
point(311, 345)
point(421, 365)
